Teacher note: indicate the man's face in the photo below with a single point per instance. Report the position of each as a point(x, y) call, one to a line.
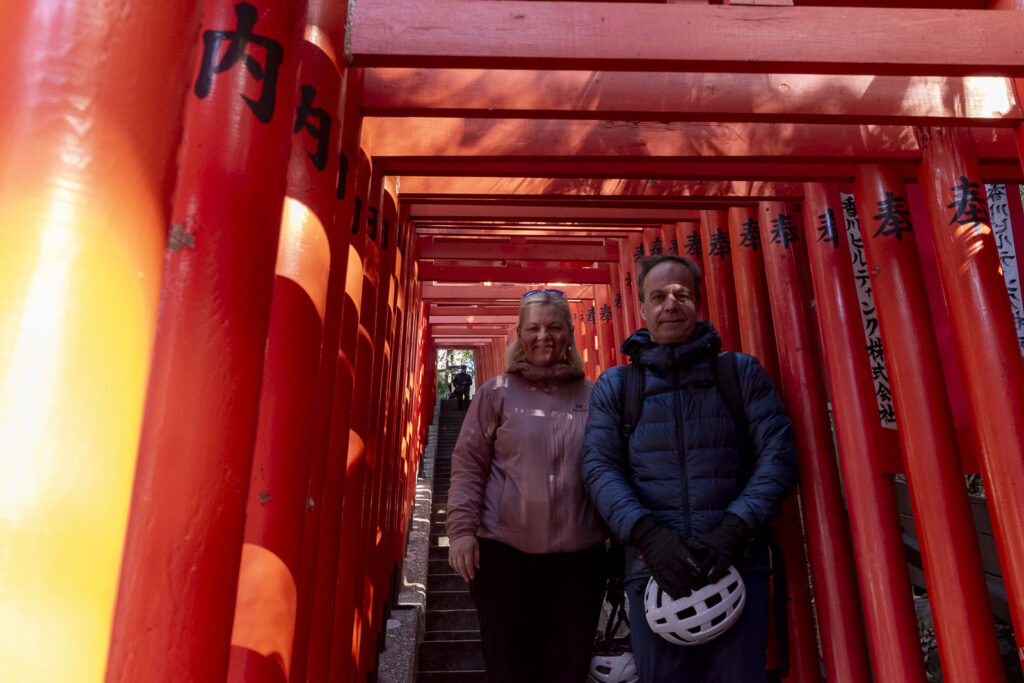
point(669, 307)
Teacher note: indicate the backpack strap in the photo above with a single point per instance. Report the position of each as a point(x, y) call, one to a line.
point(727, 377)
point(632, 398)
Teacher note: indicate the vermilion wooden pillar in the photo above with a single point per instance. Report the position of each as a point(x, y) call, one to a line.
point(754, 310)
point(184, 538)
point(690, 244)
point(875, 530)
point(327, 465)
point(628, 301)
point(617, 302)
point(86, 179)
point(635, 251)
point(949, 550)
point(313, 246)
point(375, 574)
point(669, 238)
point(832, 567)
point(341, 658)
point(653, 242)
point(337, 469)
point(719, 287)
point(985, 337)
point(604, 315)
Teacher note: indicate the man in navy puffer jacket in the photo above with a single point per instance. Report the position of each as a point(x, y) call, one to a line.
point(683, 493)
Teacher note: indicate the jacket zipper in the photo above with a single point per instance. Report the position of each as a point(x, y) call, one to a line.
point(681, 449)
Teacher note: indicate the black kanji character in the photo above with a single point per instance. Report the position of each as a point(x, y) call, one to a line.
point(783, 230)
point(342, 176)
point(750, 235)
point(967, 205)
point(655, 246)
point(894, 217)
point(693, 245)
point(320, 129)
point(590, 315)
point(719, 244)
point(239, 41)
point(673, 246)
point(638, 253)
point(357, 213)
point(618, 300)
point(371, 223)
point(606, 313)
point(827, 228)
point(849, 208)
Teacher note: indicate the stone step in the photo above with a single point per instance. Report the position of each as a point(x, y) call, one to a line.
point(448, 600)
point(452, 635)
point(437, 553)
point(438, 568)
point(451, 677)
point(452, 620)
point(446, 582)
point(452, 655)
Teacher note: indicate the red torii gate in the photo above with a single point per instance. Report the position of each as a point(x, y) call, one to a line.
point(61, 187)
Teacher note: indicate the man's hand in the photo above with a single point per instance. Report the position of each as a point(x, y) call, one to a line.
point(722, 546)
point(464, 556)
point(672, 564)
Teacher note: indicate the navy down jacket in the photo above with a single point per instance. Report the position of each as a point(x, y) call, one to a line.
point(684, 463)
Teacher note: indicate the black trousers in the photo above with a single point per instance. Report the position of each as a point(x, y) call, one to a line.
point(538, 613)
point(463, 398)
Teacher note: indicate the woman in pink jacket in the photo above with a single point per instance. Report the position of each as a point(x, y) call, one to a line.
point(521, 528)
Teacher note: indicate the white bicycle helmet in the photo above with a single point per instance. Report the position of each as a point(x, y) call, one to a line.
point(700, 617)
point(613, 658)
point(613, 669)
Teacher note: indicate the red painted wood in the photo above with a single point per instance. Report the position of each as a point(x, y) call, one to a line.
point(326, 466)
point(184, 537)
point(91, 123)
point(753, 308)
point(395, 139)
point(326, 534)
point(690, 37)
point(634, 252)
point(429, 248)
point(875, 530)
point(419, 188)
point(984, 336)
point(690, 243)
point(463, 294)
point(581, 214)
point(832, 565)
point(611, 95)
point(720, 289)
point(758, 339)
point(277, 502)
point(994, 170)
point(435, 273)
point(347, 622)
point(949, 550)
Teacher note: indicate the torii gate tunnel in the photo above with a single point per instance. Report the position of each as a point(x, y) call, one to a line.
point(235, 233)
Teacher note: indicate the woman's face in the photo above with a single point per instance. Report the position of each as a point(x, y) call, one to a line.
point(544, 335)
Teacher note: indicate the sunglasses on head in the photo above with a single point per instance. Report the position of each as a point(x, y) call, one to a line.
point(556, 292)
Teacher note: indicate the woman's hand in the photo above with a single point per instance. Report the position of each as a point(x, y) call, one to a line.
point(464, 556)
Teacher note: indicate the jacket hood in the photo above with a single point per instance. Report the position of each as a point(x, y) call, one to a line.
point(644, 350)
point(558, 372)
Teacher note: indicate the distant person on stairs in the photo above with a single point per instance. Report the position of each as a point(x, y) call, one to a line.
point(461, 382)
point(521, 528)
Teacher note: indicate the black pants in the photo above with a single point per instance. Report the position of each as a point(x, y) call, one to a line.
point(538, 613)
point(463, 399)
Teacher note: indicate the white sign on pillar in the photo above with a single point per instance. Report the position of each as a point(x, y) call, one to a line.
point(999, 213)
point(868, 315)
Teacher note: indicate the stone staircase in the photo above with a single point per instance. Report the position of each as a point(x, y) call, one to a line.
point(450, 650)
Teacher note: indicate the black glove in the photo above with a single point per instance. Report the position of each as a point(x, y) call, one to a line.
point(721, 547)
point(672, 564)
